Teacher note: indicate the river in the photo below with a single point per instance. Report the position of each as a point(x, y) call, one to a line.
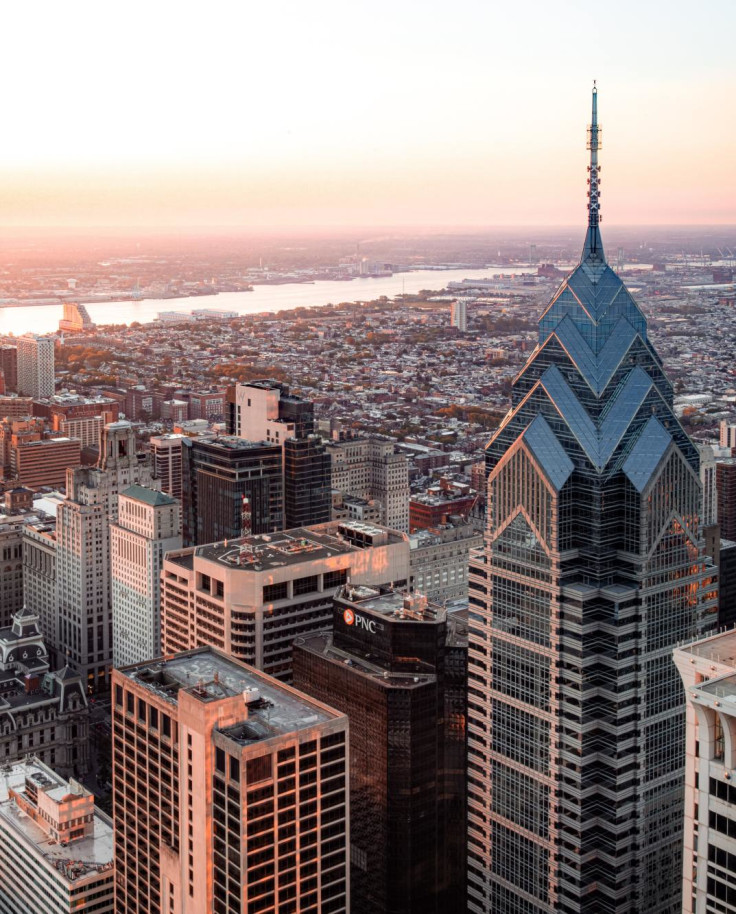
point(45, 318)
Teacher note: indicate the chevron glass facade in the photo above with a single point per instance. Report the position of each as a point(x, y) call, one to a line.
point(593, 569)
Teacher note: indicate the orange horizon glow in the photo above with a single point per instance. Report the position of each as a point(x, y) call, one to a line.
point(379, 115)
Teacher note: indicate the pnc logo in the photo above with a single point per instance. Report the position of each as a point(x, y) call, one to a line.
point(353, 618)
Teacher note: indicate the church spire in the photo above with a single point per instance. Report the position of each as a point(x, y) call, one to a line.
point(593, 249)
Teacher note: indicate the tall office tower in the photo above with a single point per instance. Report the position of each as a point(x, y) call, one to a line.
point(149, 525)
point(57, 847)
point(726, 495)
point(307, 488)
point(84, 604)
point(39, 579)
point(593, 569)
point(229, 791)
point(36, 376)
point(168, 460)
point(266, 411)
point(251, 597)
point(395, 665)
point(227, 476)
point(372, 469)
point(9, 366)
point(708, 671)
point(727, 434)
point(11, 568)
point(459, 315)
point(709, 510)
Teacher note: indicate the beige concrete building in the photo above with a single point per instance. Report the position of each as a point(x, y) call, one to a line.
point(39, 577)
point(708, 671)
point(251, 597)
point(149, 525)
point(229, 791)
point(371, 469)
point(168, 456)
point(83, 591)
point(57, 848)
point(439, 560)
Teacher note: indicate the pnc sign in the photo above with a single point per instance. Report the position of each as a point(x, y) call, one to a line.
point(353, 618)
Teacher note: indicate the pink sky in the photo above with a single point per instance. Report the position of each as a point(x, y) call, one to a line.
point(300, 114)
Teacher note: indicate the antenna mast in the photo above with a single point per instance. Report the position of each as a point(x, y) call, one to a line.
point(594, 181)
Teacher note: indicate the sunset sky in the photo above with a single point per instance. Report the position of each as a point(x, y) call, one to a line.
point(286, 113)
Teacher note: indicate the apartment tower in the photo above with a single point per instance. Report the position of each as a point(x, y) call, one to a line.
point(229, 791)
point(593, 569)
point(36, 376)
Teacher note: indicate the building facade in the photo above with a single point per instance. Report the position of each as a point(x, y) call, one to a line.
point(168, 459)
point(393, 667)
point(39, 579)
point(439, 560)
point(371, 468)
point(149, 525)
point(708, 671)
point(231, 478)
point(307, 485)
point(251, 597)
point(229, 791)
point(11, 568)
point(36, 373)
point(593, 569)
point(459, 315)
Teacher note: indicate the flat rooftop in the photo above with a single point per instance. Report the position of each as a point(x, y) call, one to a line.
point(211, 676)
point(720, 648)
point(77, 859)
point(266, 551)
point(392, 604)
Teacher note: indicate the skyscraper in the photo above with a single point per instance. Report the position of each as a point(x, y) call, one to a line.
point(307, 490)
point(149, 525)
point(229, 791)
point(36, 366)
point(83, 593)
point(228, 475)
point(395, 664)
point(593, 569)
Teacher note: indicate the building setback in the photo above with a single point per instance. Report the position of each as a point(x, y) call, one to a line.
point(251, 597)
point(593, 569)
point(395, 665)
point(57, 848)
point(229, 791)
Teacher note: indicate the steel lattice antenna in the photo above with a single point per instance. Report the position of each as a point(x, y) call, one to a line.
point(593, 244)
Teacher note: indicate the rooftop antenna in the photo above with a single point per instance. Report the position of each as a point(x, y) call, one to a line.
point(593, 243)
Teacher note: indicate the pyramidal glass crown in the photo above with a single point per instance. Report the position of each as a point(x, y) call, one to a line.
point(593, 569)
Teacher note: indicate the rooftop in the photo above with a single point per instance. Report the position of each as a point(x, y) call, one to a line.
point(303, 544)
point(270, 708)
point(394, 604)
point(80, 858)
point(148, 496)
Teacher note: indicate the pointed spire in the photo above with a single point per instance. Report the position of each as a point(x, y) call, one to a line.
point(593, 249)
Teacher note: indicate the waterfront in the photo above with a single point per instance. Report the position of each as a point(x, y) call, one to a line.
point(45, 318)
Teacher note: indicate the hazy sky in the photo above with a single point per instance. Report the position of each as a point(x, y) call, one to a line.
point(273, 112)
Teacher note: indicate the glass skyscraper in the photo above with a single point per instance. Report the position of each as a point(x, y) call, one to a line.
point(593, 569)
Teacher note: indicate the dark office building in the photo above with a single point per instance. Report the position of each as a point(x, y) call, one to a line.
point(397, 667)
point(222, 473)
point(727, 584)
point(9, 367)
point(307, 482)
point(726, 489)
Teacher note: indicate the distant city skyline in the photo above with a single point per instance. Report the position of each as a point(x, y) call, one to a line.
point(286, 115)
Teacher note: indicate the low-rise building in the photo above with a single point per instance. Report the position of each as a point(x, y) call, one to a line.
point(57, 848)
